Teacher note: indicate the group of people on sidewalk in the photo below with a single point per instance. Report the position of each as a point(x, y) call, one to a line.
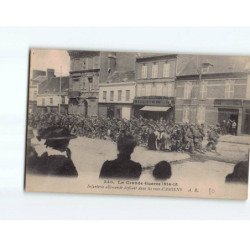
point(229, 127)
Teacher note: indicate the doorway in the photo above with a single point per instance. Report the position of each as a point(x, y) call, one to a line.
point(229, 115)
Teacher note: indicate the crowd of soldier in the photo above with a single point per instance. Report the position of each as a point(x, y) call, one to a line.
point(156, 135)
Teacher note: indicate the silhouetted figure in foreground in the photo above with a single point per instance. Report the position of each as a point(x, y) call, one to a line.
point(162, 170)
point(31, 154)
point(123, 166)
point(240, 173)
point(57, 160)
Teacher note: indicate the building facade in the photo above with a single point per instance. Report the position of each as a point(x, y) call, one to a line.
point(155, 87)
point(87, 70)
point(38, 76)
point(116, 100)
point(53, 95)
point(214, 94)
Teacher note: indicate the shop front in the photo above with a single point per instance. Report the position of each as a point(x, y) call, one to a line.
point(112, 110)
point(237, 110)
point(154, 107)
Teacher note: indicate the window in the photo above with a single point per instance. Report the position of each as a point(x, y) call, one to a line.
point(187, 90)
point(51, 100)
point(127, 95)
point(43, 101)
point(159, 89)
point(90, 79)
point(153, 90)
point(154, 70)
point(205, 69)
point(90, 63)
point(104, 95)
point(118, 113)
point(119, 95)
point(112, 96)
point(165, 90)
point(166, 70)
point(35, 94)
point(76, 64)
point(185, 117)
point(229, 89)
point(96, 62)
point(138, 90)
point(201, 114)
point(82, 85)
point(143, 90)
point(63, 99)
point(203, 93)
point(144, 71)
point(84, 63)
point(170, 89)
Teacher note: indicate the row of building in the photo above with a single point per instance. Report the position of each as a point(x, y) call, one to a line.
point(181, 88)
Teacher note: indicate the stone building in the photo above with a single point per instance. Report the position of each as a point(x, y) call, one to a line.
point(210, 89)
point(155, 86)
point(87, 70)
point(116, 97)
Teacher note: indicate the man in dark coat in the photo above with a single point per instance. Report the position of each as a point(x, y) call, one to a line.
point(123, 166)
point(57, 160)
point(213, 137)
point(152, 140)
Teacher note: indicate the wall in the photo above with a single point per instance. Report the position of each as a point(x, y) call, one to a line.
point(33, 89)
point(160, 64)
point(215, 90)
point(125, 61)
point(115, 87)
point(125, 111)
point(156, 89)
point(56, 100)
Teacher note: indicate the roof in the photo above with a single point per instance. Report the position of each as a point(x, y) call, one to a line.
point(52, 85)
point(121, 76)
point(38, 79)
point(190, 64)
point(141, 57)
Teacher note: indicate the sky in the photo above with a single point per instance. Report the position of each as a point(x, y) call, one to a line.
point(42, 59)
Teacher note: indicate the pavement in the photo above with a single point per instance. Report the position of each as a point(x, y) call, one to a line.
point(240, 139)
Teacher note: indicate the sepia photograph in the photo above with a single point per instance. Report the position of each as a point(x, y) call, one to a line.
point(138, 123)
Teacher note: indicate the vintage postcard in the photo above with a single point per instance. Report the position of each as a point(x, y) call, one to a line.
point(155, 124)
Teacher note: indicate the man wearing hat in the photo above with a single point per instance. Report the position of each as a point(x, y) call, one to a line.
point(57, 160)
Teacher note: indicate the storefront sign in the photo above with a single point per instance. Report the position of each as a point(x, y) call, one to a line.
point(230, 103)
point(154, 101)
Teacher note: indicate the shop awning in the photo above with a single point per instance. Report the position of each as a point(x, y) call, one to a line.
point(155, 108)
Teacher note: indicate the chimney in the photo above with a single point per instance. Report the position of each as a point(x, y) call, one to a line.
point(50, 73)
